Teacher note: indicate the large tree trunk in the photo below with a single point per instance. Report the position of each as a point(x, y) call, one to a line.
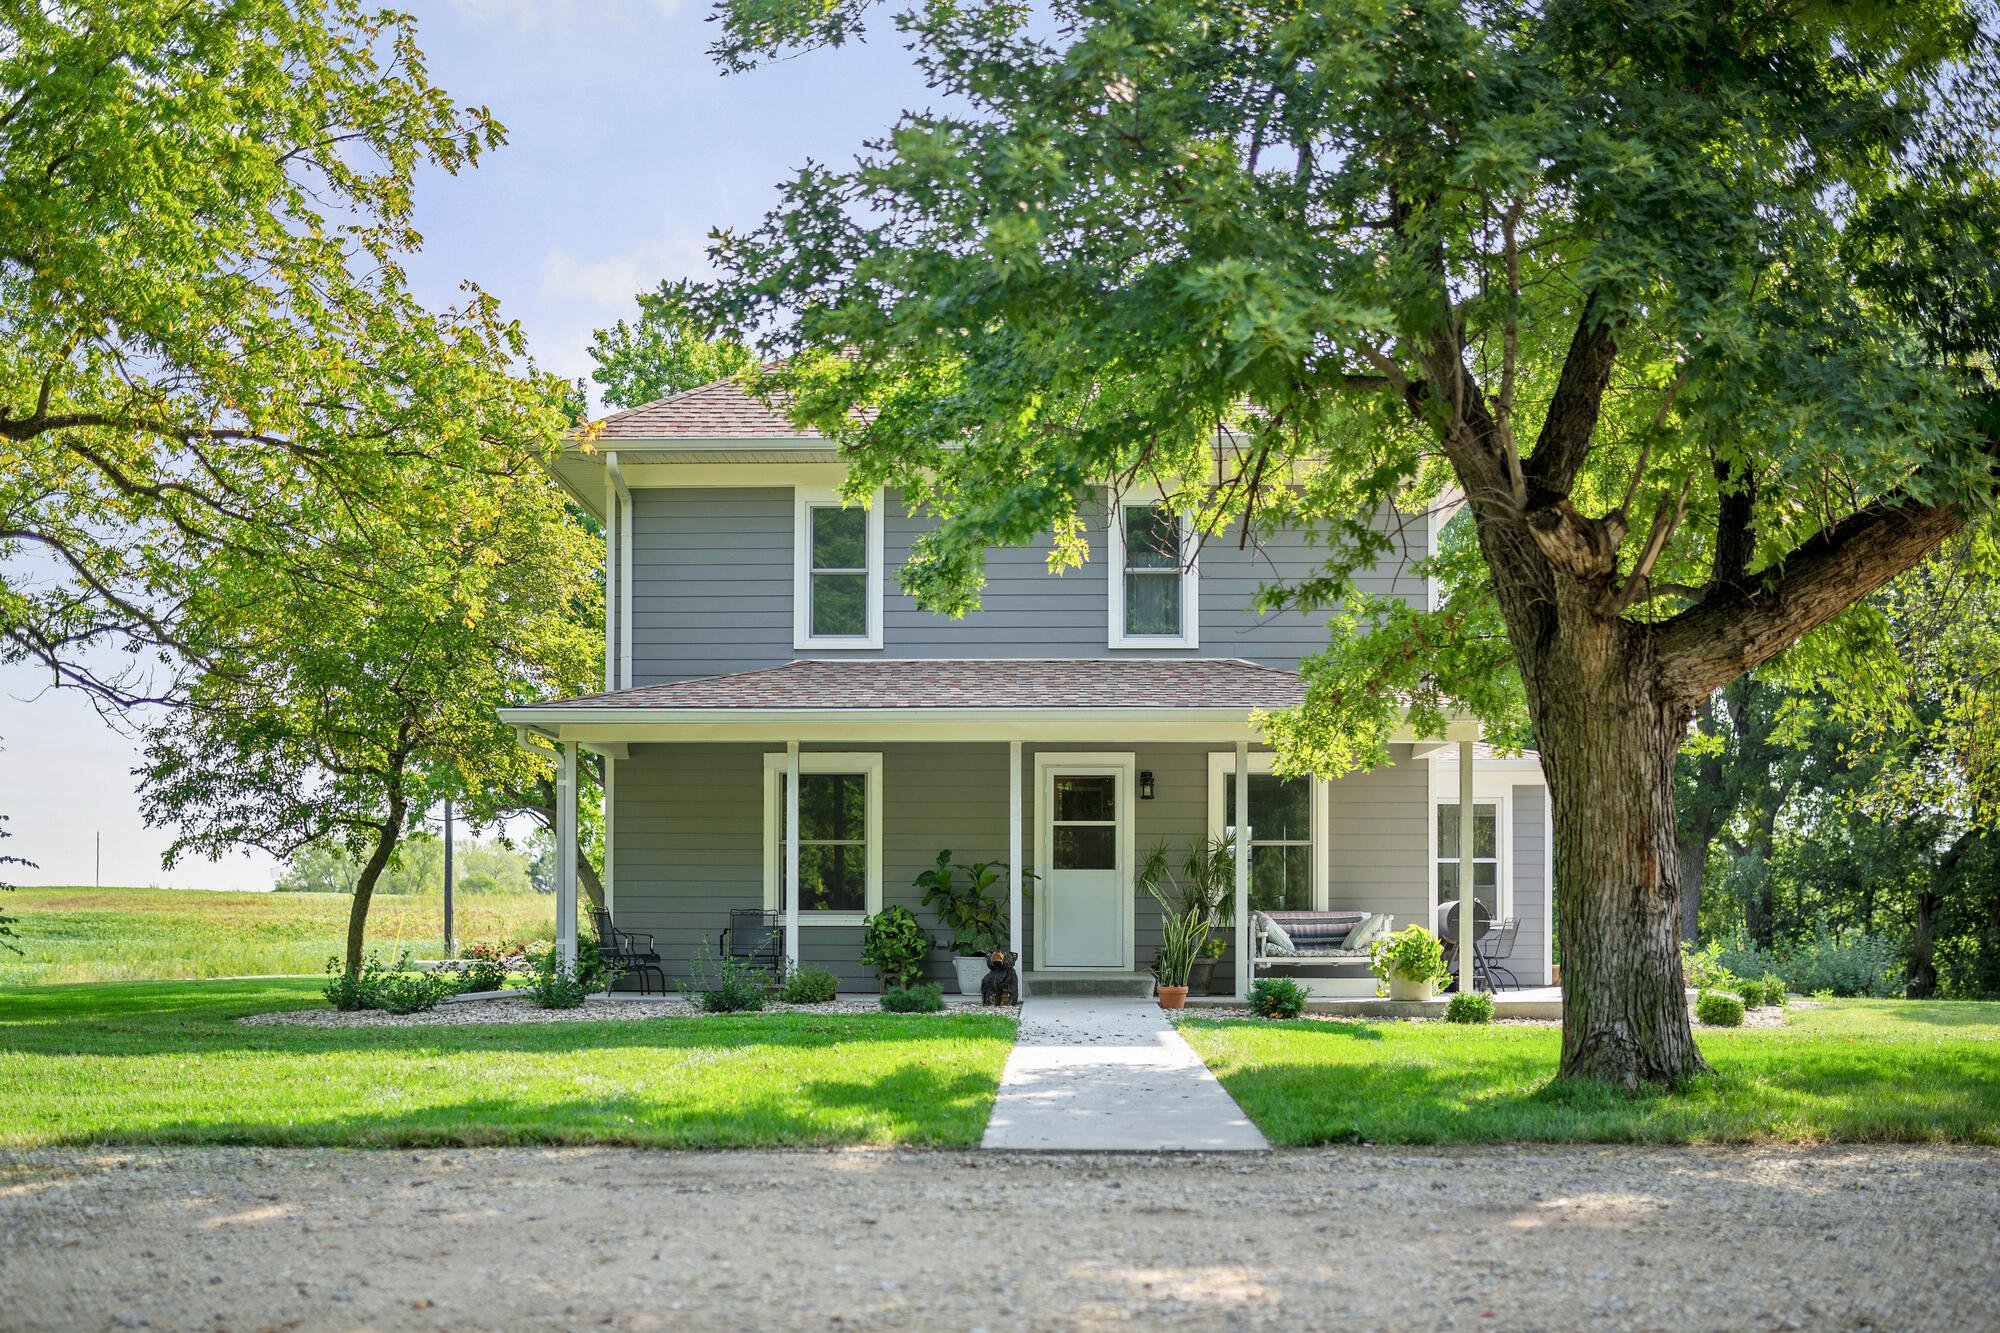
point(1694, 869)
point(364, 886)
point(1608, 747)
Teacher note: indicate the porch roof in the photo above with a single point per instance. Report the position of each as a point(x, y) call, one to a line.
point(940, 699)
point(966, 683)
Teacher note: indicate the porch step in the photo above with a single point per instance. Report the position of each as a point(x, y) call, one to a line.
point(1085, 984)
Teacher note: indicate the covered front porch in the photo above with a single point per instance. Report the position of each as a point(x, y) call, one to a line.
point(851, 777)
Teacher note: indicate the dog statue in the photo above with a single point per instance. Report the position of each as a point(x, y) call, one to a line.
point(1003, 983)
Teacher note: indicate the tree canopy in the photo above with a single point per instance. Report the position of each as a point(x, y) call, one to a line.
point(668, 350)
point(1695, 306)
point(205, 331)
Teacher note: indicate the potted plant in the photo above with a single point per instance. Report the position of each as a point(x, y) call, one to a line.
point(895, 945)
point(1199, 885)
point(966, 905)
point(1411, 961)
point(1182, 933)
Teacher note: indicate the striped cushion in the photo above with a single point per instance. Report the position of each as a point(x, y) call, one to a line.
point(1316, 931)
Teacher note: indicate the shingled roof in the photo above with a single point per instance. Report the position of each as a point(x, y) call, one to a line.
point(996, 683)
point(724, 410)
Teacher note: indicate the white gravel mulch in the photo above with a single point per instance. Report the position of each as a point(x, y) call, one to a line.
point(523, 1010)
point(1772, 1016)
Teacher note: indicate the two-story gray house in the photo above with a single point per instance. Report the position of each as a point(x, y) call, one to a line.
point(776, 710)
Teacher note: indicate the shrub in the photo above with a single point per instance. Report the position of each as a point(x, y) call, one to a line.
point(391, 987)
point(895, 946)
point(1412, 953)
point(809, 985)
point(556, 984)
point(1718, 1009)
point(927, 998)
point(724, 985)
point(1469, 1006)
point(593, 971)
point(1703, 968)
point(475, 973)
point(1768, 989)
point(1857, 965)
point(410, 992)
point(1277, 997)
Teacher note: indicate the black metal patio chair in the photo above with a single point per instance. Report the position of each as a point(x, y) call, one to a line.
point(756, 936)
point(631, 952)
point(1496, 944)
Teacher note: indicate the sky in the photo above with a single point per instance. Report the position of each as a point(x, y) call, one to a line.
point(625, 147)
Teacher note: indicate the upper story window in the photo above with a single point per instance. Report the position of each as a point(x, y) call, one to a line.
point(1154, 589)
point(837, 576)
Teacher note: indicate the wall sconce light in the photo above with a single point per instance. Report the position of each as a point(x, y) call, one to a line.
point(1145, 784)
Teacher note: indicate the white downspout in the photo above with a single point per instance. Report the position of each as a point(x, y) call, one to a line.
point(616, 476)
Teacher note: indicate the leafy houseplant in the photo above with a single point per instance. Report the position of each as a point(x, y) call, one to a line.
point(1195, 888)
point(965, 902)
point(1411, 961)
point(895, 945)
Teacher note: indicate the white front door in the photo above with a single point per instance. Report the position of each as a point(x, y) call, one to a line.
point(1084, 905)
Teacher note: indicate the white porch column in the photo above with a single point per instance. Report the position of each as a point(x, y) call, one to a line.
point(1241, 814)
point(1468, 912)
point(791, 853)
point(566, 853)
point(1014, 861)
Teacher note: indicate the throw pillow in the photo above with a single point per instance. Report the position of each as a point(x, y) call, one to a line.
point(1277, 944)
point(1371, 929)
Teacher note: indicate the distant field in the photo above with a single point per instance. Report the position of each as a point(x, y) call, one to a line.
point(83, 934)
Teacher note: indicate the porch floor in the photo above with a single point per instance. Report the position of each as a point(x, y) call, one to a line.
point(1529, 1002)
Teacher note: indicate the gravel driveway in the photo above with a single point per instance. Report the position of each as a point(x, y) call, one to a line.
point(1494, 1238)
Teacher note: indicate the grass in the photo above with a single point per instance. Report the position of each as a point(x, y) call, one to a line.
point(1849, 1071)
point(82, 934)
point(163, 1062)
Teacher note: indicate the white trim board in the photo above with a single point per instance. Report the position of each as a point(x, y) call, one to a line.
point(805, 499)
point(1222, 766)
point(867, 763)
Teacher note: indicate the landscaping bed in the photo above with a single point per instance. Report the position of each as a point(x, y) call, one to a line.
point(521, 1009)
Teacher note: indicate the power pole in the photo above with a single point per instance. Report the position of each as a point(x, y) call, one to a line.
point(100, 858)
point(449, 952)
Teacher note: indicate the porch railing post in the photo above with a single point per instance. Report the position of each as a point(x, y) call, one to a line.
point(791, 853)
point(1468, 910)
point(1241, 814)
point(1014, 894)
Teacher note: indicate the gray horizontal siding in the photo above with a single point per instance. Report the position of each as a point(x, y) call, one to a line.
point(1379, 830)
point(1529, 960)
point(712, 591)
point(690, 827)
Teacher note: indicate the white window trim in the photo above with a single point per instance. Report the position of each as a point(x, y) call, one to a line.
point(1222, 767)
point(804, 500)
point(1123, 764)
point(869, 765)
point(1487, 789)
point(1190, 635)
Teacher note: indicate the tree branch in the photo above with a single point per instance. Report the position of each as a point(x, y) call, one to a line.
point(1572, 416)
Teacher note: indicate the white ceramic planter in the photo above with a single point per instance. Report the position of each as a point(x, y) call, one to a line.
point(1402, 988)
point(971, 973)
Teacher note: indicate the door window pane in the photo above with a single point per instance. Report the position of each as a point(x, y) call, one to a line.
point(1091, 798)
point(1085, 847)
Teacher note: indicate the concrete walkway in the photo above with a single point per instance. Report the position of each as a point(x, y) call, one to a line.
point(1111, 1075)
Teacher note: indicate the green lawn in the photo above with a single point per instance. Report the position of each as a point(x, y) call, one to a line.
point(81, 934)
point(162, 1062)
point(1850, 1071)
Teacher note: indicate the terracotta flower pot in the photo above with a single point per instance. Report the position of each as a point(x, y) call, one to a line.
point(1173, 997)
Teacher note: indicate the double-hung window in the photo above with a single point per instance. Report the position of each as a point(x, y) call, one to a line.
point(837, 573)
point(1288, 865)
point(840, 835)
point(1154, 601)
point(1485, 854)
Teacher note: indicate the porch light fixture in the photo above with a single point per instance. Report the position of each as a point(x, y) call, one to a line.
point(1145, 784)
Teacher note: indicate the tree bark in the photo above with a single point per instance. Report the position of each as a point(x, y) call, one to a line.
point(391, 832)
point(1694, 870)
point(1608, 749)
